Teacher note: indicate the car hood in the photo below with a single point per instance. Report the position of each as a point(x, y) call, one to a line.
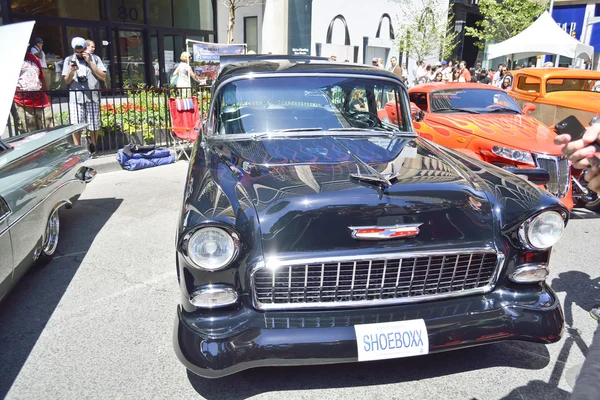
point(13, 51)
point(513, 130)
point(306, 198)
point(586, 101)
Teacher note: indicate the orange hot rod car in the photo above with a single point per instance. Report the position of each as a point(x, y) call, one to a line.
point(484, 122)
point(558, 93)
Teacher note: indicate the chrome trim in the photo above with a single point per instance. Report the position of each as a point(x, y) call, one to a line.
point(209, 289)
point(40, 202)
point(86, 174)
point(529, 267)
point(4, 206)
point(188, 235)
point(274, 264)
point(562, 188)
point(524, 231)
point(354, 230)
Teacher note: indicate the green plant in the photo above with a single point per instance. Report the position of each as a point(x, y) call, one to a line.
point(503, 20)
point(143, 112)
point(62, 118)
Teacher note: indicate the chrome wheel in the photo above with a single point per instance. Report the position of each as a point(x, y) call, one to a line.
point(52, 232)
point(590, 199)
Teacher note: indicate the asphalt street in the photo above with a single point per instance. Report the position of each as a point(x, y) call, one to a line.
point(97, 322)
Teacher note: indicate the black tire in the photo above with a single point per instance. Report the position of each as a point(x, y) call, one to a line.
point(51, 236)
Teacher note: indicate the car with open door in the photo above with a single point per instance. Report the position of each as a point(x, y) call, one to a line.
point(40, 172)
point(316, 229)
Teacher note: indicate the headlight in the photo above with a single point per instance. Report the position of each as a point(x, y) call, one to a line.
point(212, 248)
point(515, 155)
point(543, 231)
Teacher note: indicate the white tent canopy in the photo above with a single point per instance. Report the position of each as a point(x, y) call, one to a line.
point(544, 36)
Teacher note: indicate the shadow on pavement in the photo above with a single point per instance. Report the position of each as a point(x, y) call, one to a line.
point(25, 312)
point(581, 290)
point(264, 380)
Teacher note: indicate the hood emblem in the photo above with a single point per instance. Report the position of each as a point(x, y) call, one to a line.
point(385, 232)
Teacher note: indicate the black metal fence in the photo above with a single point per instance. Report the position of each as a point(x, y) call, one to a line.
point(120, 116)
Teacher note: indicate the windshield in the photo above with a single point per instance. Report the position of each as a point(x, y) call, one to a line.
point(572, 85)
point(479, 101)
point(310, 104)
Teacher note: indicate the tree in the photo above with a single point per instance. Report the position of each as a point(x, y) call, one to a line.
point(232, 6)
point(504, 19)
point(424, 30)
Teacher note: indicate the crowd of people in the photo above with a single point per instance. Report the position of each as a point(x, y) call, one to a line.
point(454, 71)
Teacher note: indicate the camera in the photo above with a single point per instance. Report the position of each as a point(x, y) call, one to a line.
point(82, 79)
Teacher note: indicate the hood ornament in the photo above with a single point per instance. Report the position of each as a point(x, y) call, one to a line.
point(385, 232)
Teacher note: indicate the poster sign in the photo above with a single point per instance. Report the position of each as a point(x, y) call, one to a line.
point(206, 58)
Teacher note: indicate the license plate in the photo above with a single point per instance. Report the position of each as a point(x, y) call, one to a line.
point(391, 340)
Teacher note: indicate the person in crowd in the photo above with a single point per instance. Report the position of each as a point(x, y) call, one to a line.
point(404, 73)
point(464, 71)
point(484, 77)
point(380, 63)
point(478, 68)
point(421, 72)
point(439, 77)
point(580, 152)
point(357, 103)
point(83, 72)
point(185, 74)
point(499, 75)
point(446, 71)
point(548, 64)
point(332, 58)
point(506, 83)
point(395, 68)
point(457, 76)
point(90, 45)
point(33, 107)
point(429, 75)
point(375, 62)
point(474, 75)
point(346, 61)
point(37, 50)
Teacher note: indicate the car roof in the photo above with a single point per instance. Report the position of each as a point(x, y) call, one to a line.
point(552, 72)
point(285, 65)
point(433, 86)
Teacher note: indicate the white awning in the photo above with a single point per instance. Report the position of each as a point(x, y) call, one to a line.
point(544, 36)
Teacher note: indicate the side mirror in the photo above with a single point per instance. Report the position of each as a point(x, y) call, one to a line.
point(538, 176)
point(416, 113)
point(528, 107)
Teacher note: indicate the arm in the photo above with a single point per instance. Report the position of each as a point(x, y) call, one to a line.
point(100, 73)
point(68, 71)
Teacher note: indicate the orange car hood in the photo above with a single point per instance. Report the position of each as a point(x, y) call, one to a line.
point(513, 130)
point(586, 101)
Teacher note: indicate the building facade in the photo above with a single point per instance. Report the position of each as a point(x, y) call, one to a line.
point(138, 40)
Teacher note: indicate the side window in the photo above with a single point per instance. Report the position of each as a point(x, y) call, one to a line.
point(529, 84)
point(419, 99)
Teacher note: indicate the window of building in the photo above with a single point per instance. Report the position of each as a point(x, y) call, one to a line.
point(251, 33)
point(78, 9)
point(127, 11)
point(160, 12)
point(193, 14)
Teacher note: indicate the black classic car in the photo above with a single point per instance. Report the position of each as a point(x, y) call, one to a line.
point(313, 230)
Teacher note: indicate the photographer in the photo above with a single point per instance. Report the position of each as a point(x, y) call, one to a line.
point(83, 72)
point(584, 155)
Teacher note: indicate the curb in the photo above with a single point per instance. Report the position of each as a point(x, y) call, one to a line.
point(106, 163)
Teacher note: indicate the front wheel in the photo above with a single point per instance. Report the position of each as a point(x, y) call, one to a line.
point(50, 238)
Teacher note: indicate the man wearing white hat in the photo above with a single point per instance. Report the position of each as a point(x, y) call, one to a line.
point(83, 72)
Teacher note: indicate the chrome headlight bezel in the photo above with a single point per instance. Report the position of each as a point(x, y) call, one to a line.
point(525, 230)
point(188, 237)
point(507, 153)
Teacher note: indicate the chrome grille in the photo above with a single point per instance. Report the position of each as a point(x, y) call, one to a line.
point(558, 168)
point(384, 280)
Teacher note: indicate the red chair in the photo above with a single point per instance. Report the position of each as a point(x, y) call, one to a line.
point(185, 124)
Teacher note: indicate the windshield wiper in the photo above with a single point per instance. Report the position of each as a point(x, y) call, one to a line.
point(504, 109)
point(298, 130)
point(457, 109)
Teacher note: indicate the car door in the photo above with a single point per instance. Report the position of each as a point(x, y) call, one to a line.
point(6, 256)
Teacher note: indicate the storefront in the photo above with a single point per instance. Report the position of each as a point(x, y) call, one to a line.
point(139, 41)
